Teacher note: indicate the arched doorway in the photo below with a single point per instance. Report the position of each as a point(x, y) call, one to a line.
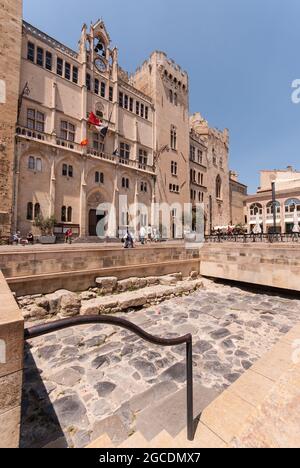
point(95, 215)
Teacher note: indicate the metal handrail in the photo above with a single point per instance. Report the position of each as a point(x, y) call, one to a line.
point(40, 330)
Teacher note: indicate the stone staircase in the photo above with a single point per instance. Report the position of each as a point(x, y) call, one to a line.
point(163, 422)
point(260, 410)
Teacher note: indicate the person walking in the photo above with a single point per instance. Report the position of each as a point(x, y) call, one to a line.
point(128, 240)
point(142, 235)
point(68, 236)
point(149, 233)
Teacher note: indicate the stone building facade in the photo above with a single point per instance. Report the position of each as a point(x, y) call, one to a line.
point(65, 169)
point(238, 196)
point(260, 205)
point(214, 185)
point(10, 39)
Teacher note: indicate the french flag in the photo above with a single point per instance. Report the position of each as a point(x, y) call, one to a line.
point(102, 129)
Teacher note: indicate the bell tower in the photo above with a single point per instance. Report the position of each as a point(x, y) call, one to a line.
point(10, 63)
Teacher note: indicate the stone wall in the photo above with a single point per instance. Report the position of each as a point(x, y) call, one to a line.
point(273, 265)
point(10, 56)
point(32, 271)
point(11, 364)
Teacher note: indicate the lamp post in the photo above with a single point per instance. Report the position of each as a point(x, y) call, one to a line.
point(274, 207)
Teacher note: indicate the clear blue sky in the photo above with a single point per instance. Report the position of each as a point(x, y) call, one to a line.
point(241, 55)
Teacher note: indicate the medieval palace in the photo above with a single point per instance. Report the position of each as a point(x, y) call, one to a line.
point(54, 163)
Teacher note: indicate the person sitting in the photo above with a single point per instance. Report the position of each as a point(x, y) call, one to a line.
point(30, 238)
point(17, 238)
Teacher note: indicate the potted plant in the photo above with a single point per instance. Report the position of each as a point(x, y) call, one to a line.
point(46, 226)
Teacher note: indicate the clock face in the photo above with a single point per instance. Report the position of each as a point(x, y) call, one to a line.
point(100, 65)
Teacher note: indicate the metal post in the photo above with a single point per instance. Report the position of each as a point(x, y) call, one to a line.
point(189, 381)
point(274, 208)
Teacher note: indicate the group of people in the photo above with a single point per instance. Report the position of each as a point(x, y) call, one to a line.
point(19, 240)
point(146, 235)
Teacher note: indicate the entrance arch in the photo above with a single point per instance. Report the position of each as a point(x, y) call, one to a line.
point(94, 215)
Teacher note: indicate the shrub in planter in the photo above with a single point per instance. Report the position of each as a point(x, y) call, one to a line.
point(46, 226)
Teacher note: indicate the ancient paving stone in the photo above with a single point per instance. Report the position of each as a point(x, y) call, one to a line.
point(66, 377)
point(134, 367)
point(71, 411)
point(221, 333)
point(104, 388)
point(176, 372)
point(145, 368)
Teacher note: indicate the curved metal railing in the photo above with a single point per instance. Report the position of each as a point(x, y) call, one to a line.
point(52, 327)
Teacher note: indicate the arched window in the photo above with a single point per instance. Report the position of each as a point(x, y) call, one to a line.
point(255, 209)
point(38, 165)
point(171, 96)
point(31, 163)
point(63, 214)
point(70, 213)
point(219, 188)
point(270, 209)
point(125, 182)
point(37, 210)
point(30, 211)
point(291, 205)
point(173, 138)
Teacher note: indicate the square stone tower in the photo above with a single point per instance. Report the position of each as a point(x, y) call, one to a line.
point(168, 86)
point(10, 62)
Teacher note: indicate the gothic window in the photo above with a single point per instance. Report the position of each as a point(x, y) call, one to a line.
point(124, 151)
point(171, 96)
point(30, 211)
point(142, 110)
point(88, 81)
point(175, 99)
point(67, 71)
point(69, 214)
point(192, 152)
point(59, 66)
point(37, 210)
point(97, 84)
point(31, 163)
point(49, 61)
point(35, 120)
point(144, 187)
point(174, 168)
point(99, 177)
point(103, 89)
point(200, 157)
point(146, 112)
point(125, 182)
point(64, 214)
point(121, 99)
point(219, 188)
point(67, 131)
point(137, 108)
point(143, 159)
point(111, 94)
point(38, 165)
point(65, 170)
point(75, 75)
point(131, 104)
point(126, 101)
point(173, 138)
point(98, 144)
point(70, 171)
point(30, 51)
point(40, 57)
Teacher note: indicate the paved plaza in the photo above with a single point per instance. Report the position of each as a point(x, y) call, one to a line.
point(80, 382)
